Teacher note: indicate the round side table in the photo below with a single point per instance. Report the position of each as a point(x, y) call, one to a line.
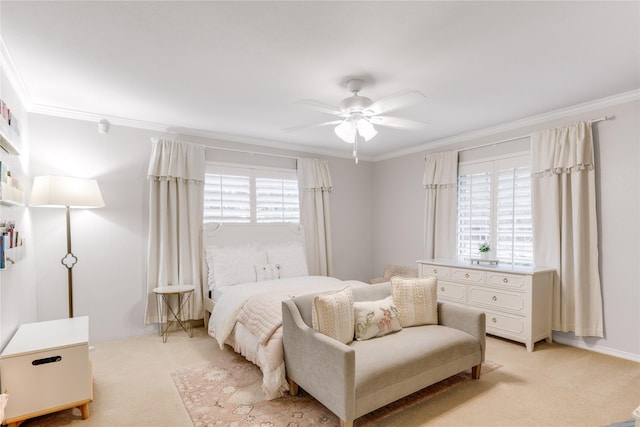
point(163, 299)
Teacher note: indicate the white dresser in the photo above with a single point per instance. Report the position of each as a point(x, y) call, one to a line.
point(45, 368)
point(517, 301)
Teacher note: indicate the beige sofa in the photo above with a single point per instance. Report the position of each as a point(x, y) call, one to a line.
point(355, 379)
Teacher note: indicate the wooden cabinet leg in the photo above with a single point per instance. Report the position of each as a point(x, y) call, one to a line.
point(84, 411)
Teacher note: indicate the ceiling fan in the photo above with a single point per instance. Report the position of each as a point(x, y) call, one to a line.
point(358, 114)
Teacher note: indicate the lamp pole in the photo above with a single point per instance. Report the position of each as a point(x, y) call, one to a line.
point(69, 260)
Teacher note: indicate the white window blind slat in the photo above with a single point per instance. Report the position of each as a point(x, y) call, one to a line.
point(247, 195)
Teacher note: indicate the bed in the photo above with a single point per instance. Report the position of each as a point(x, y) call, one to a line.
point(248, 270)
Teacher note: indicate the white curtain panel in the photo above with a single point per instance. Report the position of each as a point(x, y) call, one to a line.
point(440, 183)
point(565, 229)
point(176, 199)
point(314, 182)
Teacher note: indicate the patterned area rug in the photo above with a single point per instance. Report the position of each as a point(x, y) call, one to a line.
point(228, 392)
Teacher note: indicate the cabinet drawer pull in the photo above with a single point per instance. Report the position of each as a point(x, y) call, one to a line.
point(46, 360)
point(442, 289)
point(494, 320)
point(435, 271)
point(466, 275)
point(505, 280)
point(495, 298)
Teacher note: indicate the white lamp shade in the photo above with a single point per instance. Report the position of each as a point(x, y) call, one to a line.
point(57, 191)
point(346, 132)
point(366, 129)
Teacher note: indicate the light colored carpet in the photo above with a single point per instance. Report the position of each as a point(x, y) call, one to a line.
point(555, 385)
point(227, 392)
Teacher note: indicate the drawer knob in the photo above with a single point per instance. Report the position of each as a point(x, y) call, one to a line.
point(442, 289)
point(435, 271)
point(466, 275)
point(494, 320)
point(495, 298)
point(505, 280)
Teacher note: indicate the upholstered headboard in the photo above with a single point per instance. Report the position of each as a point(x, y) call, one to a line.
point(241, 253)
point(225, 234)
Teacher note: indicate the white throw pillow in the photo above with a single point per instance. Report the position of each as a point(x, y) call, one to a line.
point(375, 318)
point(332, 315)
point(289, 258)
point(266, 272)
point(234, 264)
point(416, 300)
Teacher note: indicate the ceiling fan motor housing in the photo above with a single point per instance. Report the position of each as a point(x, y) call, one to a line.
point(355, 104)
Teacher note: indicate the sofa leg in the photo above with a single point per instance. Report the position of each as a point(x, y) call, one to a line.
point(343, 423)
point(293, 387)
point(475, 371)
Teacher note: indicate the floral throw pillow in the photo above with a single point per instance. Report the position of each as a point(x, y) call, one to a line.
point(332, 315)
point(416, 300)
point(375, 318)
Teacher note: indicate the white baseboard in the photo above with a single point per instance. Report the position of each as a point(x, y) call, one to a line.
point(574, 342)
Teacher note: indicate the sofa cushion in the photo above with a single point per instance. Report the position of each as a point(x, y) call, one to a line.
point(416, 300)
point(332, 315)
point(375, 318)
point(409, 355)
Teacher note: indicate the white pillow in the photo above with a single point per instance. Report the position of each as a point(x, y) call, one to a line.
point(290, 258)
point(266, 272)
point(234, 264)
point(416, 300)
point(332, 315)
point(375, 318)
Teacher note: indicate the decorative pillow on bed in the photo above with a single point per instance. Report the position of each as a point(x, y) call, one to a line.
point(332, 315)
point(375, 318)
point(267, 272)
point(416, 300)
point(234, 264)
point(290, 258)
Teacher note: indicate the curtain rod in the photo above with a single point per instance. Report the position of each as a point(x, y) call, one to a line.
point(601, 119)
point(236, 150)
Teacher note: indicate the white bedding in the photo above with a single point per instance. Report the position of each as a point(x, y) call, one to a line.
point(248, 317)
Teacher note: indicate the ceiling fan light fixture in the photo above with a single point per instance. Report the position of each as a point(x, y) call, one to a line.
point(366, 129)
point(346, 132)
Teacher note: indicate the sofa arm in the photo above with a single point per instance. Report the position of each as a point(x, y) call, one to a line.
point(322, 366)
point(468, 320)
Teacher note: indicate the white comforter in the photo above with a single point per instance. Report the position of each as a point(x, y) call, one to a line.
point(256, 307)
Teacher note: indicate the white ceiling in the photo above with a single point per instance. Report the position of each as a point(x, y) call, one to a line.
point(235, 69)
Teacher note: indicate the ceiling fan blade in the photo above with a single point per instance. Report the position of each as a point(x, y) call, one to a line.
point(315, 125)
point(395, 102)
point(396, 122)
point(319, 106)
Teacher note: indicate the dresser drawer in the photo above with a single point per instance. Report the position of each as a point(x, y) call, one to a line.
point(501, 324)
point(497, 299)
point(451, 292)
point(442, 273)
point(514, 282)
point(463, 275)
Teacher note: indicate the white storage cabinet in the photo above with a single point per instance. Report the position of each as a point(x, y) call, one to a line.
point(45, 368)
point(517, 301)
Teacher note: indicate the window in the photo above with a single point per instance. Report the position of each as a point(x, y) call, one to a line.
point(250, 195)
point(494, 206)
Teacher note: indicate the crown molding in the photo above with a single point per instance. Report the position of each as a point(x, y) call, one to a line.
point(186, 132)
point(585, 107)
point(14, 77)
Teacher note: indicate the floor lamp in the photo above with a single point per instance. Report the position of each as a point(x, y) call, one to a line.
point(66, 192)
